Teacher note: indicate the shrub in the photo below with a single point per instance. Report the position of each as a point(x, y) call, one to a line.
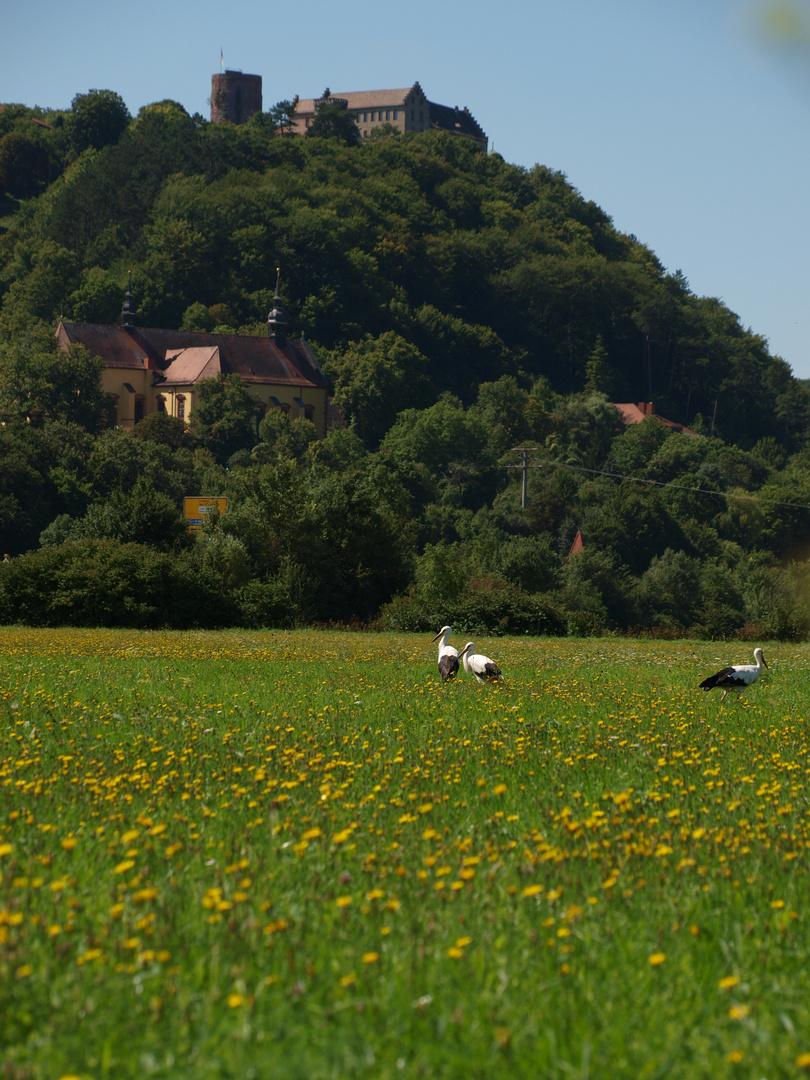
point(104, 583)
point(498, 610)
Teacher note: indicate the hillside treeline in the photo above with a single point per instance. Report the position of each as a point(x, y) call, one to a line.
point(461, 307)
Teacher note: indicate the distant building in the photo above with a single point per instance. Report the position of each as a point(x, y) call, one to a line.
point(633, 413)
point(577, 546)
point(406, 110)
point(160, 371)
point(235, 97)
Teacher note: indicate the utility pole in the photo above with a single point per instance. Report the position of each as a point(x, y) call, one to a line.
point(525, 451)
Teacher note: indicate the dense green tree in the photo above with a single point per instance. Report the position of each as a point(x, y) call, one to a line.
point(166, 430)
point(600, 377)
point(584, 427)
point(224, 419)
point(25, 164)
point(332, 120)
point(377, 378)
point(40, 381)
point(139, 516)
point(282, 437)
point(97, 118)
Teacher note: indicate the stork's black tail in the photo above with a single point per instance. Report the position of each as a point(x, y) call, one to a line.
point(717, 680)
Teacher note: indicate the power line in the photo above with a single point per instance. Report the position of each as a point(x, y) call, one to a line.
point(543, 463)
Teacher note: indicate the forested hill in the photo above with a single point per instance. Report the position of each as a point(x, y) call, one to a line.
point(414, 265)
point(461, 307)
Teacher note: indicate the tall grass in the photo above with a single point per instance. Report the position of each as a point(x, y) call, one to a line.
point(300, 855)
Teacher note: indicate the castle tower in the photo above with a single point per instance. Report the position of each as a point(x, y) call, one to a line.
point(235, 97)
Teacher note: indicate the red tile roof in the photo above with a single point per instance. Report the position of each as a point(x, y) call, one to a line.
point(256, 359)
point(633, 413)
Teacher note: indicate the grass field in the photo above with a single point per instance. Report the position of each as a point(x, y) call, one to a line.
point(281, 855)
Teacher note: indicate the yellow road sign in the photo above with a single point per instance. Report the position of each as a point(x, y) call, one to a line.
point(195, 508)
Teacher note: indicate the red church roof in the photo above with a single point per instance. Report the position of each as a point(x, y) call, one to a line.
point(179, 353)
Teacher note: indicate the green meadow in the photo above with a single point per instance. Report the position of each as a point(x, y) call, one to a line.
point(299, 855)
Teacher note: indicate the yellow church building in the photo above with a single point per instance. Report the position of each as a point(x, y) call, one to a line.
point(149, 370)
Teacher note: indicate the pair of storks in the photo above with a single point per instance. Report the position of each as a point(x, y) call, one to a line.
point(735, 678)
point(484, 669)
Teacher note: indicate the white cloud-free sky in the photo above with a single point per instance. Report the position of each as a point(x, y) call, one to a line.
point(685, 120)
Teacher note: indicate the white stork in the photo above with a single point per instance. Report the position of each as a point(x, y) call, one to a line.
point(448, 656)
point(738, 677)
point(484, 669)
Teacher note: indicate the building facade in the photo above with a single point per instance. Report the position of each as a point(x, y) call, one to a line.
point(149, 370)
point(406, 109)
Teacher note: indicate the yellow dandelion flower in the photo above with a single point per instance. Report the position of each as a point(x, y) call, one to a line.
point(370, 957)
point(735, 1056)
point(69, 843)
point(532, 890)
point(122, 867)
point(235, 1000)
point(348, 980)
point(463, 942)
point(6, 849)
point(656, 958)
point(343, 901)
point(777, 904)
point(499, 789)
point(728, 981)
point(454, 953)
point(803, 1061)
point(24, 971)
point(738, 1012)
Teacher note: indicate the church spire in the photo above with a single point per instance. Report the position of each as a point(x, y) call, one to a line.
point(128, 310)
point(277, 320)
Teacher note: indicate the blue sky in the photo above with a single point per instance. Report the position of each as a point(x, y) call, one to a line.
point(684, 120)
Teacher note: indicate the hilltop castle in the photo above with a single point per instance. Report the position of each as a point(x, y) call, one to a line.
point(236, 97)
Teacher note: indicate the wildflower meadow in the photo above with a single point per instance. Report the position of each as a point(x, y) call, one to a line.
point(300, 855)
